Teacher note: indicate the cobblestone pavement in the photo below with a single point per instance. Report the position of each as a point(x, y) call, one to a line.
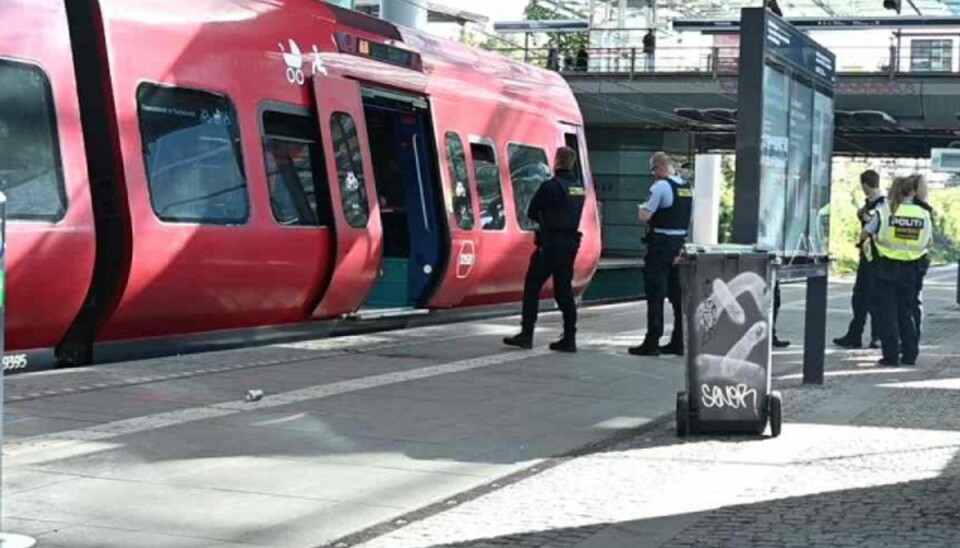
point(872, 458)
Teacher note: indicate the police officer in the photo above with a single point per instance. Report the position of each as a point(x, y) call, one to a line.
point(557, 207)
point(902, 232)
point(667, 216)
point(864, 301)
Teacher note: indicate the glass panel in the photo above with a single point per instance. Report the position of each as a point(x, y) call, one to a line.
point(773, 162)
point(528, 170)
point(822, 164)
point(487, 174)
point(798, 169)
point(191, 147)
point(460, 181)
point(30, 172)
point(349, 160)
point(297, 181)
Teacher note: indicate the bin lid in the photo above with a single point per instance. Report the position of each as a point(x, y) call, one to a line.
point(724, 249)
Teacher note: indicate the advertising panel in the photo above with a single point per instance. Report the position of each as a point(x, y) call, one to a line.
point(798, 169)
point(774, 152)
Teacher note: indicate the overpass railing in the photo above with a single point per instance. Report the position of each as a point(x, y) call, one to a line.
point(723, 61)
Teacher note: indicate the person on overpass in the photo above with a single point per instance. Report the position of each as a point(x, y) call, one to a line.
point(557, 207)
point(902, 232)
point(649, 50)
point(864, 301)
point(667, 215)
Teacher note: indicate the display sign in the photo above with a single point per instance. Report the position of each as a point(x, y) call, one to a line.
point(784, 138)
point(812, 23)
point(355, 45)
point(553, 25)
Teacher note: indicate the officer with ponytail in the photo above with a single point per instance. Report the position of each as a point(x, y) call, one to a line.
point(902, 232)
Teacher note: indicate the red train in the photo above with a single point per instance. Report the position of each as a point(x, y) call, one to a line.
point(185, 166)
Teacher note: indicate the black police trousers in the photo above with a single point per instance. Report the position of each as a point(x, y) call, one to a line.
point(898, 282)
point(924, 267)
point(661, 279)
point(552, 259)
point(864, 302)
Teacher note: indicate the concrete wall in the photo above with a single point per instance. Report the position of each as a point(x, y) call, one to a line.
point(620, 160)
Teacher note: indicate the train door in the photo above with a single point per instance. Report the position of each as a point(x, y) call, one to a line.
point(401, 147)
point(353, 195)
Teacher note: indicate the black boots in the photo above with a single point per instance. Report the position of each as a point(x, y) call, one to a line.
point(525, 340)
point(650, 347)
point(522, 340)
point(847, 342)
point(674, 348)
point(565, 344)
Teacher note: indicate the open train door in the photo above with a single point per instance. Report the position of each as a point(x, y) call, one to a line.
point(353, 196)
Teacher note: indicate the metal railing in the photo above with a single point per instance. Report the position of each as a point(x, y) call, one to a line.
point(721, 61)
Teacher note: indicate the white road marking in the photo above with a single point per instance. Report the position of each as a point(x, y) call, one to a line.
point(61, 444)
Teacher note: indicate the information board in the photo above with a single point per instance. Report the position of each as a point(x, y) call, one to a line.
point(784, 138)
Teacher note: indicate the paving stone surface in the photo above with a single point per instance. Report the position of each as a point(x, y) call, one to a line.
point(871, 458)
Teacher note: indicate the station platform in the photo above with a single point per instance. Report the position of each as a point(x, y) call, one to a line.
point(440, 436)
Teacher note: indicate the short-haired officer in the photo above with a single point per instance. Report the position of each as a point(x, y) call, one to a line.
point(557, 206)
point(667, 215)
point(864, 301)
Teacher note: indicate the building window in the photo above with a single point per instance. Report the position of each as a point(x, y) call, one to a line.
point(31, 175)
point(297, 181)
point(528, 170)
point(191, 147)
point(460, 182)
point(349, 159)
point(931, 56)
point(487, 174)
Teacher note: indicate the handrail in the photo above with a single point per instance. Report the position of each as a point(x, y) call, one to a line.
point(718, 61)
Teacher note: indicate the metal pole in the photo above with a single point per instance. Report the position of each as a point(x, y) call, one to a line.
point(6, 540)
point(958, 282)
point(815, 330)
point(526, 47)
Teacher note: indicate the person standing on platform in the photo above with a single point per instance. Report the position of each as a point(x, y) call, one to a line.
point(777, 342)
point(557, 206)
point(649, 50)
point(667, 216)
point(864, 300)
point(922, 200)
point(902, 232)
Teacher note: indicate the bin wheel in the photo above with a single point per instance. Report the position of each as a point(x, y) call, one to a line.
point(776, 413)
point(683, 415)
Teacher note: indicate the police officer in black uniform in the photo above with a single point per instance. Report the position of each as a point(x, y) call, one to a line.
point(864, 301)
point(667, 215)
point(557, 206)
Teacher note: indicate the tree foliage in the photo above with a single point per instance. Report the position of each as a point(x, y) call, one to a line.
point(566, 42)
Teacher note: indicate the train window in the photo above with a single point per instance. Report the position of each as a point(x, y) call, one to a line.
point(191, 147)
point(487, 174)
point(30, 171)
point(299, 195)
point(349, 159)
point(460, 179)
point(571, 140)
point(528, 170)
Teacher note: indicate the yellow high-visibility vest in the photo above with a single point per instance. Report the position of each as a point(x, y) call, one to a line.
point(906, 235)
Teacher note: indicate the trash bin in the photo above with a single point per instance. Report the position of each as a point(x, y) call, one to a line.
point(728, 309)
